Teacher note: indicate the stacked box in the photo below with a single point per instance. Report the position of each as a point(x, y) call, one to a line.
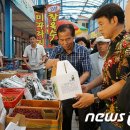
point(43, 115)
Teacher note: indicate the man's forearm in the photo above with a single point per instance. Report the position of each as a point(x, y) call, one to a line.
point(95, 83)
point(111, 91)
point(44, 59)
point(84, 77)
point(25, 61)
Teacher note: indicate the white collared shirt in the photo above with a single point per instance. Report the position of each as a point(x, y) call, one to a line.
point(35, 56)
point(101, 61)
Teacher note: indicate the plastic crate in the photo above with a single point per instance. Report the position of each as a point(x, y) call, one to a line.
point(8, 92)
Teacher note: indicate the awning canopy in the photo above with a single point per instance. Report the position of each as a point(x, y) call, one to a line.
point(21, 21)
point(74, 8)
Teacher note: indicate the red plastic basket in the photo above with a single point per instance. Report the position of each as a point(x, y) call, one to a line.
point(8, 92)
point(24, 67)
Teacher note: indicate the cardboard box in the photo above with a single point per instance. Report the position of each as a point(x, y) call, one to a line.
point(7, 74)
point(66, 82)
point(17, 123)
point(1, 127)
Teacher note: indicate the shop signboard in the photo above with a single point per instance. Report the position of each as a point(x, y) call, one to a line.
point(26, 6)
point(40, 27)
point(53, 15)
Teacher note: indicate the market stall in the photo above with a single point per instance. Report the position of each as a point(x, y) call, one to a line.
point(23, 93)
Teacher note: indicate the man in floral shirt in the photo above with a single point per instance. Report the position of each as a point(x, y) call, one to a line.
point(110, 19)
point(124, 97)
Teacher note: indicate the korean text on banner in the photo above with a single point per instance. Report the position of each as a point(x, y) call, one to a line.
point(66, 82)
point(53, 15)
point(40, 27)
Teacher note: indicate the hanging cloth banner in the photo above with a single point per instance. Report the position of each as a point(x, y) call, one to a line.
point(40, 27)
point(53, 15)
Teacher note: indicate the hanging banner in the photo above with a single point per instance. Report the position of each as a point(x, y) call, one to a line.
point(53, 15)
point(40, 27)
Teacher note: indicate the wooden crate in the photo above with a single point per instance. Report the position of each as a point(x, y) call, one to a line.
point(7, 74)
point(42, 124)
point(40, 103)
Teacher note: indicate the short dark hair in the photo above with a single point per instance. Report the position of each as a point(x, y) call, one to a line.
point(32, 35)
point(54, 42)
point(63, 28)
point(109, 11)
point(87, 42)
point(92, 40)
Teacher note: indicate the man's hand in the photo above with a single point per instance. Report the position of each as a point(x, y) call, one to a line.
point(41, 62)
point(29, 66)
point(84, 88)
point(84, 100)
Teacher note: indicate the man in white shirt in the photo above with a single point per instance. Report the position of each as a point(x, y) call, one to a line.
point(98, 58)
point(1, 61)
point(36, 55)
point(97, 61)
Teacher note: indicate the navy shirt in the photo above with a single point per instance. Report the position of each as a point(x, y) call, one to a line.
point(79, 57)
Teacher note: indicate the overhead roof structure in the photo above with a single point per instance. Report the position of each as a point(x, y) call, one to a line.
point(75, 8)
point(21, 21)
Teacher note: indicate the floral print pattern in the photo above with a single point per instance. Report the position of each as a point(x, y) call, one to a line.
point(115, 67)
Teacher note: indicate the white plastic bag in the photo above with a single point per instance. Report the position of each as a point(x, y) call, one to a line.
point(27, 94)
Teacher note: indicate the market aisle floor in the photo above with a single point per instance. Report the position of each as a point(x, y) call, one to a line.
point(75, 123)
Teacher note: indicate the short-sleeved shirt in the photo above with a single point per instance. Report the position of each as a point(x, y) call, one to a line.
point(35, 56)
point(1, 54)
point(97, 63)
point(116, 66)
point(79, 57)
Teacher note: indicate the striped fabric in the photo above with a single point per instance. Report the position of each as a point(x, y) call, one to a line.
point(79, 57)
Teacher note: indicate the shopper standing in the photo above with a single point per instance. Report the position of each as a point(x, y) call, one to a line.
point(36, 56)
point(98, 59)
point(110, 19)
point(97, 62)
point(124, 97)
point(78, 56)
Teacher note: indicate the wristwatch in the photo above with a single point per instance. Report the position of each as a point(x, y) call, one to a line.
point(96, 98)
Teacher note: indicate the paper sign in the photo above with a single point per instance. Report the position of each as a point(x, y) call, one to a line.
point(13, 126)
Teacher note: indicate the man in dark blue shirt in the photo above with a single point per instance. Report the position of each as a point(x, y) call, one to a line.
point(78, 56)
